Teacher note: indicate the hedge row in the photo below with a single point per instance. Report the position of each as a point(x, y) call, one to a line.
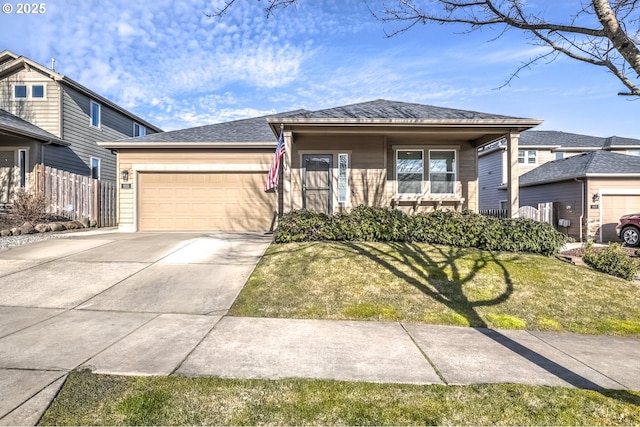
point(461, 229)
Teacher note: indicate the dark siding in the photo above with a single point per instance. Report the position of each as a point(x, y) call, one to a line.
point(567, 197)
point(489, 179)
point(83, 137)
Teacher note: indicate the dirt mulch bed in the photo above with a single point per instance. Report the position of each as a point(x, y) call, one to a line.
point(577, 252)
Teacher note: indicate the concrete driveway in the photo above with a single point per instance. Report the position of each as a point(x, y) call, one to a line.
point(89, 299)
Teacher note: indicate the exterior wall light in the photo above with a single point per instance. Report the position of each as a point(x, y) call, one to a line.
point(124, 175)
point(595, 198)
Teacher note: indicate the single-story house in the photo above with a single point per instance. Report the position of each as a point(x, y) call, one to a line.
point(382, 153)
point(590, 191)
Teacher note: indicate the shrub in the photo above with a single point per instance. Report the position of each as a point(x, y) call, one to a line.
point(461, 229)
point(28, 206)
point(611, 260)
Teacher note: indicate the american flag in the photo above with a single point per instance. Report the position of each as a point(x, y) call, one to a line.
point(272, 178)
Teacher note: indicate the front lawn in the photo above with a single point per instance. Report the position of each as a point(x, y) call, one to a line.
point(439, 285)
point(89, 399)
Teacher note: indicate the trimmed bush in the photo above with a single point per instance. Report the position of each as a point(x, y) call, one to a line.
point(461, 229)
point(611, 260)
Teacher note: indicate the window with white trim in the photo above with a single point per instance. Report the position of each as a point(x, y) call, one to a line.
point(343, 178)
point(633, 152)
point(527, 157)
point(37, 91)
point(442, 171)
point(139, 130)
point(409, 171)
point(20, 91)
point(95, 167)
point(22, 167)
point(95, 114)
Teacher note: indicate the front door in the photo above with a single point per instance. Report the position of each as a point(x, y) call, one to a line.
point(316, 182)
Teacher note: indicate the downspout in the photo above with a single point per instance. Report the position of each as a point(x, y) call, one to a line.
point(581, 205)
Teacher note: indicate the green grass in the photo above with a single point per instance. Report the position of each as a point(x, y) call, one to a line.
point(439, 285)
point(89, 399)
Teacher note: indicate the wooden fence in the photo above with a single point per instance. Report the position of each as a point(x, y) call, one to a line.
point(544, 212)
point(77, 197)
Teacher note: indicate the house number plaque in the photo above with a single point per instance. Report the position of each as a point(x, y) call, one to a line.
point(125, 186)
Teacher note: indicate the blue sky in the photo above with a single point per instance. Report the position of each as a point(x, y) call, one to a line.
point(172, 65)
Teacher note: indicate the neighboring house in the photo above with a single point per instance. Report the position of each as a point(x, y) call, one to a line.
point(380, 153)
point(590, 191)
point(50, 119)
point(536, 148)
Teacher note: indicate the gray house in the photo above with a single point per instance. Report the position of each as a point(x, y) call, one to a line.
point(590, 192)
point(536, 148)
point(47, 118)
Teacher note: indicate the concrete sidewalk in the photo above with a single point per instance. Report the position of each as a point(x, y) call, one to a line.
point(156, 304)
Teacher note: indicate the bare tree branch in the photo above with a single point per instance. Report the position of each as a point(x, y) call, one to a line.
point(604, 33)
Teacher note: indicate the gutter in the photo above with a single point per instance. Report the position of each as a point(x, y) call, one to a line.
point(581, 206)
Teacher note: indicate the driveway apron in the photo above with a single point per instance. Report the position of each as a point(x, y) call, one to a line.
point(111, 302)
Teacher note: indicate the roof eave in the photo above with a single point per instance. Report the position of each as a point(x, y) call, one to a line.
point(170, 145)
point(32, 135)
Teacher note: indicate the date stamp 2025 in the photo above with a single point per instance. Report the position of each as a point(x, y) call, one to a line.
point(24, 8)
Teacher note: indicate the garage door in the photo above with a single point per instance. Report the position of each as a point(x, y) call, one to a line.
point(204, 201)
point(613, 207)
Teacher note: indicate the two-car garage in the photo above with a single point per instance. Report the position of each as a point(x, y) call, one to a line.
point(208, 178)
point(195, 201)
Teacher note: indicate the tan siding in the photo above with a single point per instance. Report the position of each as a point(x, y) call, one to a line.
point(624, 199)
point(44, 113)
point(371, 181)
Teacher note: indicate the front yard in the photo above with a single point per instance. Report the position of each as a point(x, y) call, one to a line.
point(439, 285)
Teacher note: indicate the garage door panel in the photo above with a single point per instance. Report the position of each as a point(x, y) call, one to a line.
point(613, 207)
point(204, 201)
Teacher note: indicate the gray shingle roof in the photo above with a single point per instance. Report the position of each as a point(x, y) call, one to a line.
point(385, 109)
point(595, 162)
point(255, 129)
point(562, 139)
point(17, 125)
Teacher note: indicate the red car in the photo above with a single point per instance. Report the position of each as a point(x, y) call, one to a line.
point(628, 229)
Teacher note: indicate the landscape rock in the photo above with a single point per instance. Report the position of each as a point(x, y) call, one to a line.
point(42, 228)
point(56, 226)
point(15, 231)
point(27, 228)
point(5, 233)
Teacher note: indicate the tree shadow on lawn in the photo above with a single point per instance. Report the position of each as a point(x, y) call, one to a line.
point(433, 281)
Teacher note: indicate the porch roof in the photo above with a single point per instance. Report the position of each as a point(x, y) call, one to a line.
point(14, 125)
point(401, 117)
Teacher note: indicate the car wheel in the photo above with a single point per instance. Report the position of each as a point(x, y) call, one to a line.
point(630, 236)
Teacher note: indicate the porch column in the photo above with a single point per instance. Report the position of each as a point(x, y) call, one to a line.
point(513, 183)
point(286, 173)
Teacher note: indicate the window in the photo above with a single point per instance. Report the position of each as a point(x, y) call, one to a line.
point(139, 130)
point(37, 91)
point(633, 152)
point(22, 167)
point(559, 155)
point(95, 114)
point(20, 91)
point(527, 157)
point(409, 171)
point(95, 168)
point(343, 179)
point(442, 171)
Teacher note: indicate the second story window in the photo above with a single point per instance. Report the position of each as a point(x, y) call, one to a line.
point(95, 114)
point(37, 91)
point(139, 130)
point(527, 157)
point(20, 91)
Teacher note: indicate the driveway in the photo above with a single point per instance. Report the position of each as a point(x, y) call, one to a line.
point(111, 302)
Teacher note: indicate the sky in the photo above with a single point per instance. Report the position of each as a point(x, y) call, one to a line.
point(176, 67)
